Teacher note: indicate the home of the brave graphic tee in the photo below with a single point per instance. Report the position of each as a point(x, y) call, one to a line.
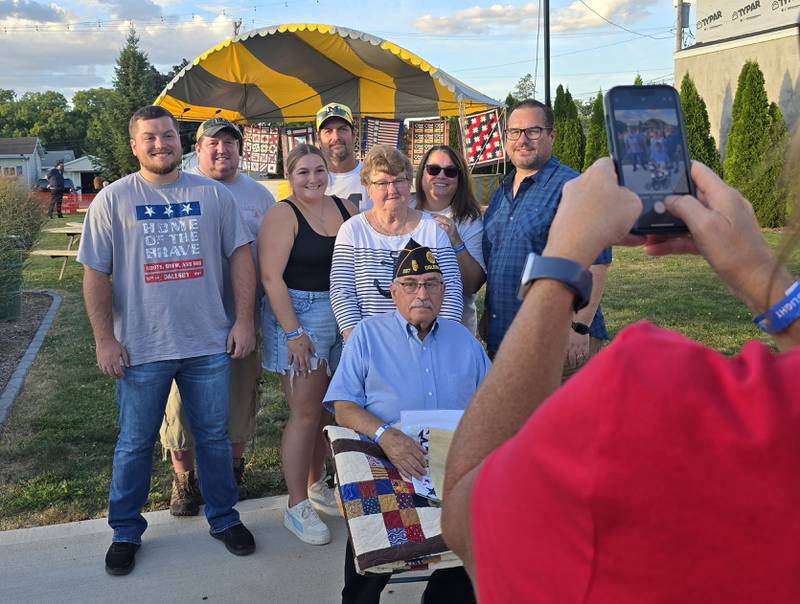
point(163, 246)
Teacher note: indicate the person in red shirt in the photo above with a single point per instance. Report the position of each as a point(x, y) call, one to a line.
point(663, 471)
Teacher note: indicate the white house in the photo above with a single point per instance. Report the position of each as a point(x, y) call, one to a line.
point(51, 157)
point(21, 158)
point(82, 172)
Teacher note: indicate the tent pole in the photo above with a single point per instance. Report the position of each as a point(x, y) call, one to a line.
point(461, 116)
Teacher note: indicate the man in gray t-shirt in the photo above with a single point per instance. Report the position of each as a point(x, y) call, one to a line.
point(218, 148)
point(161, 236)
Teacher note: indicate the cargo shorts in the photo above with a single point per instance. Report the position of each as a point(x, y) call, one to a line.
point(244, 392)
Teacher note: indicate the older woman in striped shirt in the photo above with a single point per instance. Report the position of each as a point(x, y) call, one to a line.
point(368, 243)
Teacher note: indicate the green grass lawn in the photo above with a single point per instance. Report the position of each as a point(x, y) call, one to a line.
point(56, 450)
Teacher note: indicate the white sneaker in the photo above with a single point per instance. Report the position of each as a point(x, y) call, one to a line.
point(323, 498)
point(303, 521)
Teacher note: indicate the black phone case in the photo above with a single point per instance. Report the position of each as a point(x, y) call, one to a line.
point(608, 105)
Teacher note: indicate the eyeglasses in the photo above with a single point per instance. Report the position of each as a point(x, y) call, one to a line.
point(449, 171)
point(383, 185)
point(532, 134)
point(433, 286)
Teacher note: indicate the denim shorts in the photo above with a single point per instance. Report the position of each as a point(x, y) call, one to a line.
point(314, 312)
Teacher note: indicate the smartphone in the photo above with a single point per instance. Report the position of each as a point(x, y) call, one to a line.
point(647, 140)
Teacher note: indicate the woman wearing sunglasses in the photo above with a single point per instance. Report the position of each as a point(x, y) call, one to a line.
point(445, 191)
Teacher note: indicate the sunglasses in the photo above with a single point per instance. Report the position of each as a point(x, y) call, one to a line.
point(449, 171)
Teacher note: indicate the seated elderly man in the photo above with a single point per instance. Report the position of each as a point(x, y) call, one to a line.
point(406, 360)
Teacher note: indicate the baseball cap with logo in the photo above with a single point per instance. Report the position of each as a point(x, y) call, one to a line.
point(334, 110)
point(213, 125)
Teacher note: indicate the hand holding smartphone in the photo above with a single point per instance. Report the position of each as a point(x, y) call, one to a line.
point(647, 140)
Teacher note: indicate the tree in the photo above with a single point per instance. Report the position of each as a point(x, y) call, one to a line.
point(597, 141)
point(45, 115)
point(162, 79)
point(749, 135)
point(510, 101)
point(637, 81)
point(570, 140)
point(136, 84)
point(525, 88)
point(560, 105)
point(701, 145)
point(768, 190)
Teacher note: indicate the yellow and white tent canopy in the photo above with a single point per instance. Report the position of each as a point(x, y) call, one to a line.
point(286, 73)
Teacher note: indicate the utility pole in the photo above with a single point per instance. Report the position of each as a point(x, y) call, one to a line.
point(679, 28)
point(546, 6)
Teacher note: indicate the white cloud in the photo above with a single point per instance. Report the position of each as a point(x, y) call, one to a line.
point(624, 12)
point(132, 9)
point(522, 16)
point(55, 59)
point(30, 9)
point(478, 19)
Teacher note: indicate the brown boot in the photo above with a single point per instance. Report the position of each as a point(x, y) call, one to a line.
point(238, 473)
point(185, 499)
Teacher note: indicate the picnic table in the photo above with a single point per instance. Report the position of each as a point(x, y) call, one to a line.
point(73, 233)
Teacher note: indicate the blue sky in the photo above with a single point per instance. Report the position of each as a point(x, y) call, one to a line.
point(69, 45)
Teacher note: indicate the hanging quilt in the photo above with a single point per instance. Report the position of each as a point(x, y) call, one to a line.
point(422, 135)
point(295, 136)
point(377, 131)
point(483, 140)
point(260, 149)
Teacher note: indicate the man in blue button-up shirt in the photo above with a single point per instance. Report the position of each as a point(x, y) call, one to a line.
point(517, 223)
point(405, 360)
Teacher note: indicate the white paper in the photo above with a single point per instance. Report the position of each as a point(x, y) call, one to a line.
point(417, 425)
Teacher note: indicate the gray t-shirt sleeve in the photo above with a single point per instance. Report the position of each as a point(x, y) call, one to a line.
point(234, 232)
point(96, 246)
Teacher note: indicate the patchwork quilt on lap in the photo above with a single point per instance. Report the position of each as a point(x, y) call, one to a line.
point(392, 529)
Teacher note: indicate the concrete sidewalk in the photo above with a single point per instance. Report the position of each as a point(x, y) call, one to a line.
point(180, 562)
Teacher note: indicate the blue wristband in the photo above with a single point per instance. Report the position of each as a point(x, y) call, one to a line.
point(293, 335)
point(379, 432)
point(784, 313)
point(460, 248)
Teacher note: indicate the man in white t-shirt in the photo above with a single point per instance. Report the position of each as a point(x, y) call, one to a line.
point(218, 150)
point(335, 127)
point(153, 248)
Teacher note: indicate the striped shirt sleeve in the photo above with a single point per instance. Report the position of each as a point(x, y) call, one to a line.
point(343, 285)
point(453, 304)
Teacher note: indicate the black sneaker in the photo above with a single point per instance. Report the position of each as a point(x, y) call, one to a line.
point(121, 557)
point(185, 498)
point(237, 539)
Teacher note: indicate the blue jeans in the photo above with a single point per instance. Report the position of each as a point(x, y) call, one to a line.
point(142, 396)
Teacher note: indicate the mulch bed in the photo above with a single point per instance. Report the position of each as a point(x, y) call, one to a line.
point(15, 336)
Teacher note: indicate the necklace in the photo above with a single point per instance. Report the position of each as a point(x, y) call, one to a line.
point(321, 218)
point(376, 224)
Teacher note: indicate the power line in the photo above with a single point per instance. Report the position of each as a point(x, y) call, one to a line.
point(622, 27)
point(563, 54)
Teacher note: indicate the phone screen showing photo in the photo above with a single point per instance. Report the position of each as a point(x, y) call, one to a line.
point(651, 149)
point(646, 132)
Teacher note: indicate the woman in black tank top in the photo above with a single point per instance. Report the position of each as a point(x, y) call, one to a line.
point(301, 339)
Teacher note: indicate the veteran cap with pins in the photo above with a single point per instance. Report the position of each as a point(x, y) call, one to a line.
point(415, 259)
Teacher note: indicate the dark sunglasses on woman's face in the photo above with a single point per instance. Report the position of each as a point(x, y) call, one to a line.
point(449, 171)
